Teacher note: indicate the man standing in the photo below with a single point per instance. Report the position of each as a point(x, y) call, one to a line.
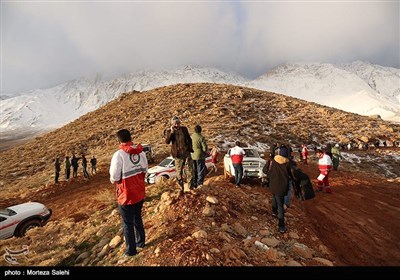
point(93, 163)
point(199, 156)
point(67, 168)
point(181, 147)
point(127, 171)
point(336, 157)
point(236, 154)
point(304, 153)
point(57, 169)
point(324, 166)
point(280, 172)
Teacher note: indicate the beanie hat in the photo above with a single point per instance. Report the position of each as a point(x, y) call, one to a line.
point(283, 151)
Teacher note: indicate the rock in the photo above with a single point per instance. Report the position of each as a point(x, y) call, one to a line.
point(254, 218)
point(293, 235)
point(208, 211)
point(224, 208)
point(226, 227)
point(215, 251)
point(85, 262)
point(104, 251)
point(272, 255)
point(323, 261)
point(212, 199)
point(292, 263)
point(209, 257)
point(103, 242)
point(302, 250)
point(82, 256)
point(200, 234)
point(323, 249)
point(264, 232)
point(272, 242)
point(239, 229)
point(115, 241)
point(365, 139)
point(224, 236)
point(101, 232)
point(157, 251)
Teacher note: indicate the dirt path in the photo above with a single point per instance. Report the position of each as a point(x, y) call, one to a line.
point(360, 221)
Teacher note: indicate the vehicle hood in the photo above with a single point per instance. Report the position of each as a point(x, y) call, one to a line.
point(27, 207)
point(253, 159)
point(156, 169)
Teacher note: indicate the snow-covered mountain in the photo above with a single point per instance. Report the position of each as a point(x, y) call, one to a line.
point(53, 107)
point(358, 87)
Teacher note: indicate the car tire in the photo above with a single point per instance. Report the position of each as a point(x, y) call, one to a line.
point(23, 228)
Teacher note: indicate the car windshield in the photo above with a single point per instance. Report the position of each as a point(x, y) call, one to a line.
point(165, 162)
point(7, 212)
point(251, 153)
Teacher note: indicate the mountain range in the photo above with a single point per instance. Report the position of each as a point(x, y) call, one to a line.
point(357, 87)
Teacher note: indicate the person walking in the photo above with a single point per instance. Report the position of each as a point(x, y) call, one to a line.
point(84, 165)
point(236, 154)
point(67, 168)
point(324, 166)
point(280, 172)
point(57, 166)
point(214, 157)
point(127, 171)
point(336, 157)
point(181, 147)
point(93, 164)
point(199, 155)
point(304, 153)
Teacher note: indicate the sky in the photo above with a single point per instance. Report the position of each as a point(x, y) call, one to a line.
point(46, 43)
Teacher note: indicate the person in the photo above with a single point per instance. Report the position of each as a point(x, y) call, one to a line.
point(214, 157)
point(280, 172)
point(199, 155)
point(74, 163)
point(57, 169)
point(67, 168)
point(127, 171)
point(181, 147)
point(324, 166)
point(336, 157)
point(328, 150)
point(304, 153)
point(93, 163)
point(236, 154)
point(84, 165)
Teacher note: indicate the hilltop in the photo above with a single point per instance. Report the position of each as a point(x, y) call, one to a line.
point(330, 230)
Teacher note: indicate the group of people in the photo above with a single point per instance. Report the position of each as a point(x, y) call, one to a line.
point(190, 153)
point(74, 163)
point(129, 166)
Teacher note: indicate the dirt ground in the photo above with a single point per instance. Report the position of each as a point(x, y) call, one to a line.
point(359, 222)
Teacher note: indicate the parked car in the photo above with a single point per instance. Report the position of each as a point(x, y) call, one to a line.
point(166, 169)
point(18, 219)
point(253, 164)
point(148, 150)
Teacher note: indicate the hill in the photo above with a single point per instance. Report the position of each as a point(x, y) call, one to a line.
point(330, 230)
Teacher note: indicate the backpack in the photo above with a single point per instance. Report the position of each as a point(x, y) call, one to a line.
point(303, 186)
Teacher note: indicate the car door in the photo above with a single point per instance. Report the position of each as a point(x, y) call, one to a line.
point(7, 226)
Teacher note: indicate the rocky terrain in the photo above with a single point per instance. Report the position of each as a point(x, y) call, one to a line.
point(217, 225)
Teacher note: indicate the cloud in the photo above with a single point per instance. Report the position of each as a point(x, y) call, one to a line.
point(46, 43)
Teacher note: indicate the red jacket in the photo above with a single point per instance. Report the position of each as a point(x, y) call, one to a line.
point(127, 171)
point(325, 164)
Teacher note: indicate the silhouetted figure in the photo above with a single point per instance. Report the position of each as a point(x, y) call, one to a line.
point(93, 164)
point(84, 165)
point(57, 169)
point(74, 163)
point(67, 168)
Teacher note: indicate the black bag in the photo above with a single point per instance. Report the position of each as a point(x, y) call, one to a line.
point(303, 187)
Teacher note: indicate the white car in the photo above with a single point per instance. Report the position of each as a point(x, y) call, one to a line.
point(166, 169)
point(253, 164)
point(18, 219)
